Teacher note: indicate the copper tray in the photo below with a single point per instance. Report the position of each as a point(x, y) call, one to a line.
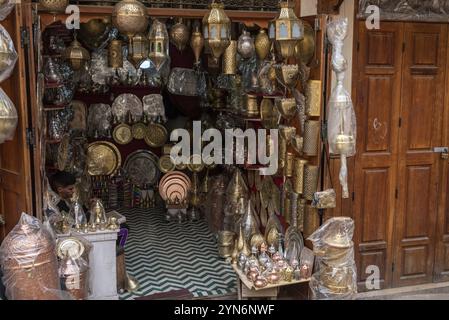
point(103, 158)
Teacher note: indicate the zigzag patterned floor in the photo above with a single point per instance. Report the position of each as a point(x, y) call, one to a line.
point(166, 256)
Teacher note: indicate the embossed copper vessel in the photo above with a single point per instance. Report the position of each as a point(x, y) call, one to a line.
point(298, 175)
point(229, 59)
point(313, 98)
point(311, 137)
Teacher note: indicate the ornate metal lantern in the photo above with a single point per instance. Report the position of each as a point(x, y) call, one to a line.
point(138, 49)
point(130, 17)
point(158, 37)
point(76, 55)
point(217, 29)
point(197, 43)
point(180, 35)
point(286, 29)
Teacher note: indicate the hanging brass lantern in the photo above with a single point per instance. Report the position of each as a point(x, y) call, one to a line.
point(138, 49)
point(286, 29)
point(130, 17)
point(76, 55)
point(197, 44)
point(180, 35)
point(217, 29)
point(158, 37)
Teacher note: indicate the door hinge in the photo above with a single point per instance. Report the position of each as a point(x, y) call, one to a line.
point(396, 193)
point(24, 37)
point(358, 46)
point(30, 137)
point(317, 24)
point(400, 122)
point(392, 267)
point(403, 47)
point(353, 196)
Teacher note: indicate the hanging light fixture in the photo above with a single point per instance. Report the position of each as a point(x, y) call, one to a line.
point(217, 29)
point(130, 17)
point(158, 37)
point(76, 55)
point(286, 29)
point(197, 43)
point(138, 49)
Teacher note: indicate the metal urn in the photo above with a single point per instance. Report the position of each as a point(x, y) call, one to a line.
point(245, 45)
point(263, 44)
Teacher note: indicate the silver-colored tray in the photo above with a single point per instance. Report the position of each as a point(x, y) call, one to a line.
point(141, 167)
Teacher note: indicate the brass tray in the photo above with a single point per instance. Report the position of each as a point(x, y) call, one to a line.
point(122, 134)
point(156, 135)
point(166, 164)
point(139, 131)
point(103, 158)
point(72, 246)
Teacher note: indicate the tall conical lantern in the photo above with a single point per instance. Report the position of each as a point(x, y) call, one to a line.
point(130, 17)
point(197, 43)
point(286, 29)
point(217, 29)
point(158, 37)
point(76, 55)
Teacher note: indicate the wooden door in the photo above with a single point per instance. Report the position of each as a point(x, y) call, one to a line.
point(15, 173)
point(422, 107)
point(377, 104)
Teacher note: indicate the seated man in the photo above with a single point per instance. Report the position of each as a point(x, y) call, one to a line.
point(63, 183)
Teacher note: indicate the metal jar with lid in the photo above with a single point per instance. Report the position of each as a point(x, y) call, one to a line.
point(29, 262)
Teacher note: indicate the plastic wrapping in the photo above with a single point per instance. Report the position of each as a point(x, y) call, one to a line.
point(336, 277)
point(183, 82)
point(73, 253)
point(6, 8)
point(341, 121)
point(29, 262)
point(8, 54)
point(8, 118)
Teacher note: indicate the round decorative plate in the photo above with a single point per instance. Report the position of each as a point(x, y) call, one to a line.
point(70, 246)
point(103, 158)
point(141, 167)
point(139, 131)
point(156, 136)
point(166, 164)
point(195, 167)
point(122, 134)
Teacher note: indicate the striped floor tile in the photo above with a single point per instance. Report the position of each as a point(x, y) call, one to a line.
point(165, 256)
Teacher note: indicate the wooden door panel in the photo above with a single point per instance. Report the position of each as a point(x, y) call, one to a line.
point(377, 104)
point(441, 270)
point(15, 186)
point(422, 106)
